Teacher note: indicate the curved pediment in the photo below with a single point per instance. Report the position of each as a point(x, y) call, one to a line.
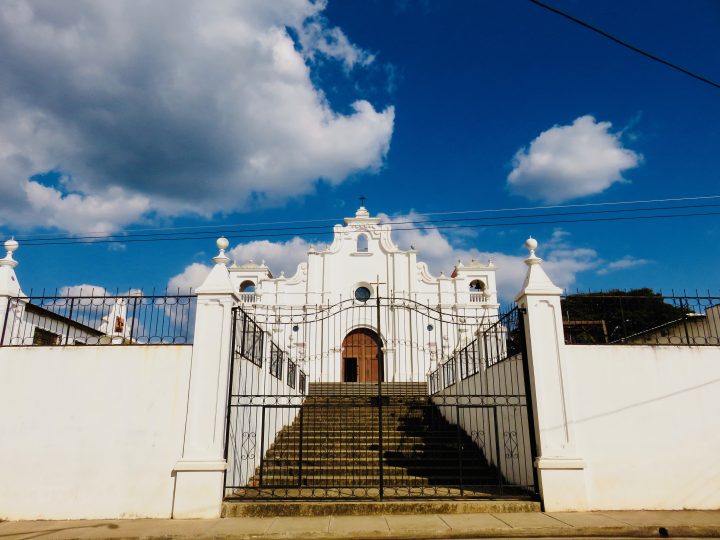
point(300, 275)
point(425, 275)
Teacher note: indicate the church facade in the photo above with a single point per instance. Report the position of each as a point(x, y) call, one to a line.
point(362, 293)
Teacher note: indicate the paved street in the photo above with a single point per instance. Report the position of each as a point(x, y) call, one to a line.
point(645, 524)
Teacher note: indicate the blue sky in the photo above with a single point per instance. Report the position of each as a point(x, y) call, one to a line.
point(117, 116)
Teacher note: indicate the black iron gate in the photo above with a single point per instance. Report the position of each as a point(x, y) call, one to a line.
point(387, 398)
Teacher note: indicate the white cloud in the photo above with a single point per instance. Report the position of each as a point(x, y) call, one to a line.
point(190, 278)
point(566, 162)
point(562, 261)
point(624, 263)
point(279, 256)
point(73, 212)
point(315, 37)
point(202, 108)
point(83, 290)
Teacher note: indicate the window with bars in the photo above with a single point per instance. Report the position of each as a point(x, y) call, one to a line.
point(291, 373)
point(276, 361)
point(251, 345)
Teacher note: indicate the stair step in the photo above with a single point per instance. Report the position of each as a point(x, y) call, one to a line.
point(361, 461)
point(370, 436)
point(467, 473)
point(394, 452)
point(370, 481)
point(367, 508)
point(368, 444)
point(422, 453)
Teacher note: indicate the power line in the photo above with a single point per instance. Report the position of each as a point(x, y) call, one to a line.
point(625, 44)
point(325, 228)
point(315, 233)
point(130, 232)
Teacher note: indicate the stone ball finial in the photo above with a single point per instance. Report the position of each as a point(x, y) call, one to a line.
point(222, 243)
point(10, 246)
point(531, 244)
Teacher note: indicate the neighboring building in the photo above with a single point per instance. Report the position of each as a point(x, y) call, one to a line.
point(57, 320)
point(692, 329)
point(88, 320)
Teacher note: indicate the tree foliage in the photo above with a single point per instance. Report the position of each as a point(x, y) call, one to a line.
point(608, 317)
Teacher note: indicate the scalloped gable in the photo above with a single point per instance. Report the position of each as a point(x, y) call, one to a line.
point(363, 223)
point(333, 272)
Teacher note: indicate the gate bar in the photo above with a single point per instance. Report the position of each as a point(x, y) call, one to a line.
point(300, 463)
point(230, 393)
point(262, 446)
point(381, 373)
point(528, 398)
point(459, 448)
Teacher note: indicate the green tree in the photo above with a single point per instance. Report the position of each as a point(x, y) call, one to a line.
point(608, 317)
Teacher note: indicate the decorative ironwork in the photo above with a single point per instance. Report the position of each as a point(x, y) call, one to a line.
point(511, 444)
point(407, 430)
point(98, 318)
point(479, 437)
point(495, 342)
point(248, 445)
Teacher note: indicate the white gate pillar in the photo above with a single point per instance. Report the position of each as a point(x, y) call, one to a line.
point(199, 473)
point(9, 288)
point(561, 472)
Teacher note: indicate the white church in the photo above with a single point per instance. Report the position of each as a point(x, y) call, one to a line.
point(356, 286)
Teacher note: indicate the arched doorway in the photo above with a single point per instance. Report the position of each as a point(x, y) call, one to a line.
point(360, 357)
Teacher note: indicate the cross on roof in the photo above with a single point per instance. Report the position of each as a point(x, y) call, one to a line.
point(362, 200)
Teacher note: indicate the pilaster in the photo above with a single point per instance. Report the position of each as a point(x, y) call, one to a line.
point(561, 472)
point(9, 288)
point(199, 473)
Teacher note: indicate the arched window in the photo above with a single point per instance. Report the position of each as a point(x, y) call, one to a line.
point(477, 285)
point(362, 243)
point(247, 286)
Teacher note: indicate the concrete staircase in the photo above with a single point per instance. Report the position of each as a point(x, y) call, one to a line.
point(334, 442)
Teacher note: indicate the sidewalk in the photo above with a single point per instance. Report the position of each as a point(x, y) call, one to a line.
point(639, 524)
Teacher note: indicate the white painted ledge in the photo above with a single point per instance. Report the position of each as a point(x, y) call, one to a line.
point(559, 463)
point(196, 465)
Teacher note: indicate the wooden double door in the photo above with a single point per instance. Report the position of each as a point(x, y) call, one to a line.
point(360, 357)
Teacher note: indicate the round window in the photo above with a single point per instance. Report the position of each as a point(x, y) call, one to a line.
point(362, 294)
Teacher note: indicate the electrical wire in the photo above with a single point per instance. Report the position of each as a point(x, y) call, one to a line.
point(130, 232)
point(625, 44)
point(316, 233)
point(324, 228)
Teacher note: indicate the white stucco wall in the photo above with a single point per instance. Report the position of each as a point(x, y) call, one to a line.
point(646, 421)
point(91, 432)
